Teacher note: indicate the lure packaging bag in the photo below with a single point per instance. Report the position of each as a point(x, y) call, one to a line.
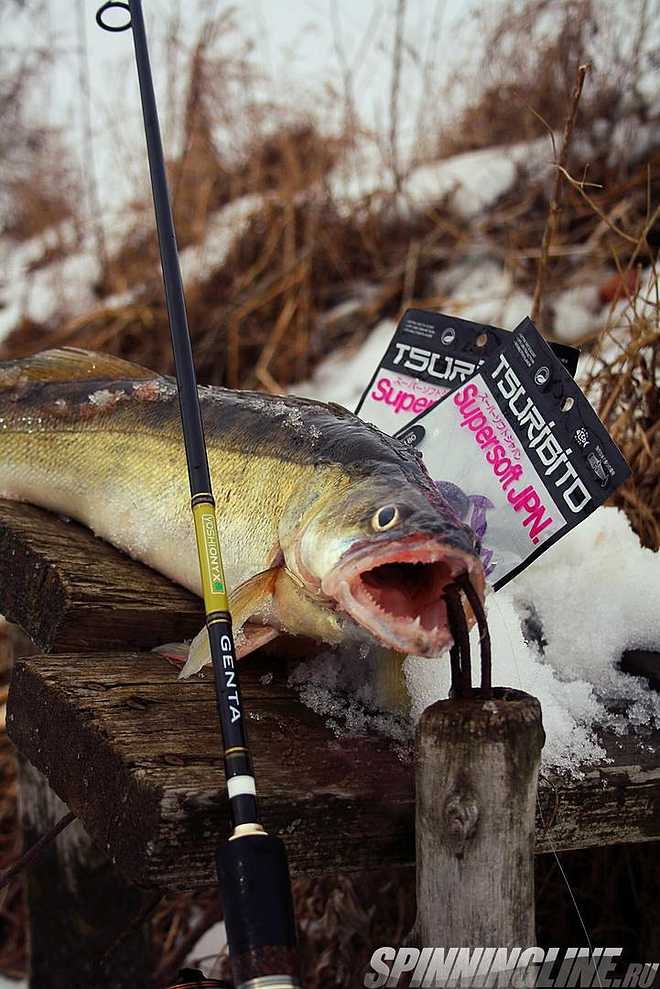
point(429, 355)
point(519, 452)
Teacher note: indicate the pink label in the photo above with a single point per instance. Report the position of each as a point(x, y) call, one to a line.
point(501, 451)
point(404, 397)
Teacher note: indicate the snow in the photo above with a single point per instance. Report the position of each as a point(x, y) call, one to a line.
point(205, 953)
point(569, 709)
point(613, 583)
point(576, 310)
point(482, 289)
point(478, 287)
point(342, 691)
point(226, 225)
point(627, 137)
point(64, 285)
point(469, 182)
point(360, 175)
point(614, 587)
point(63, 288)
point(331, 383)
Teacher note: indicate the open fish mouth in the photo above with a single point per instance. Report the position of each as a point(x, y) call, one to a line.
point(397, 591)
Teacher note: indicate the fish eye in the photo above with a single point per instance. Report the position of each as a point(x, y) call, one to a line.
point(385, 518)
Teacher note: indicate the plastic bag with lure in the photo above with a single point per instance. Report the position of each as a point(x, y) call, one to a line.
point(330, 528)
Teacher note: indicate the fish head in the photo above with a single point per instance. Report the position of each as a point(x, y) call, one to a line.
point(384, 551)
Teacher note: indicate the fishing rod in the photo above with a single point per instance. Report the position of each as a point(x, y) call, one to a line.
point(252, 866)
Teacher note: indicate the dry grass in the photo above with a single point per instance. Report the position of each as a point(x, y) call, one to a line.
point(39, 187)
point(264, 317)
point(624, 384)
point(532, 51)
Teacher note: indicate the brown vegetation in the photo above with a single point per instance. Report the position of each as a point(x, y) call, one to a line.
point(532, 50)
point(266, 315)
point(38, 186)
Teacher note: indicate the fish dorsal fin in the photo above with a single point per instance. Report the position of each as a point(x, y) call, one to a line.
point(71, 364)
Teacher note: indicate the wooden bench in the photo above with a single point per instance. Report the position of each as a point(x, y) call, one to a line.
point(104, 726)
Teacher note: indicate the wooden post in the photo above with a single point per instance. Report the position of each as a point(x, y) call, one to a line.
point(477, 772)
point(85, 928)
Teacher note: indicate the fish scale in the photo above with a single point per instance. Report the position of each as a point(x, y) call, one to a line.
point(298, 486)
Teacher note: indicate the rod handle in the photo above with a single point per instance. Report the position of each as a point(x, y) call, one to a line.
point(253, 872)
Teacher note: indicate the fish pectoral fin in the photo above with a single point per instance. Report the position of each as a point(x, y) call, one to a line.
point(188, 657)
point(198, 654)
point(390, 690)
point(252, 637)
point(252, 599)
point(175, 653)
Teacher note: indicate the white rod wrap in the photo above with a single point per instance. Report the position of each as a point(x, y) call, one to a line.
point(241, 784)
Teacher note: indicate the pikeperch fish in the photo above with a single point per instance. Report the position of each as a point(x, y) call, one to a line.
point(329, 528)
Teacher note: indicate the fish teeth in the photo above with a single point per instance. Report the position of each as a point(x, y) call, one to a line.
point(418, 621)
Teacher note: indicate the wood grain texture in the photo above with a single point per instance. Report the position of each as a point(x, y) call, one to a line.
point(136, 754)
point(477, 773)
point(70, 591)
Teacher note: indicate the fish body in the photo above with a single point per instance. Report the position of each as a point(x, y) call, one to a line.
point(329, 528)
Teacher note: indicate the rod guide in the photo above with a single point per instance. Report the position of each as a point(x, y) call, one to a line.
point(112, 5)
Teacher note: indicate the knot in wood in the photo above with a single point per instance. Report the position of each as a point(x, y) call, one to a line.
point(461, 814)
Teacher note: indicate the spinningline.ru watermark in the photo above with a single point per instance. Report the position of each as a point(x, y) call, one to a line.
point(506, 968)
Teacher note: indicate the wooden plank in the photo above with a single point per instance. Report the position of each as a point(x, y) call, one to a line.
point(135, 754)
point(70, 591)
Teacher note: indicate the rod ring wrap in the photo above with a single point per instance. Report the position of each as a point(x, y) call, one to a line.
point(237, 785)
point(215, 617)
point(271, 982)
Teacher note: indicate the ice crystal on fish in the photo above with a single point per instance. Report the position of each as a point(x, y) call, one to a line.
point(150, 391)
point(104, 397)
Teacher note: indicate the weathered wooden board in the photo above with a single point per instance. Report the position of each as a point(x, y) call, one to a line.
point(70, 591)
point(135, 754)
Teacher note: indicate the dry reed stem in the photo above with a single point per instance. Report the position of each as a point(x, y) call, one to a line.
point(606, 220)
point(395, 88)
point(555, 202)
point(180, 932)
